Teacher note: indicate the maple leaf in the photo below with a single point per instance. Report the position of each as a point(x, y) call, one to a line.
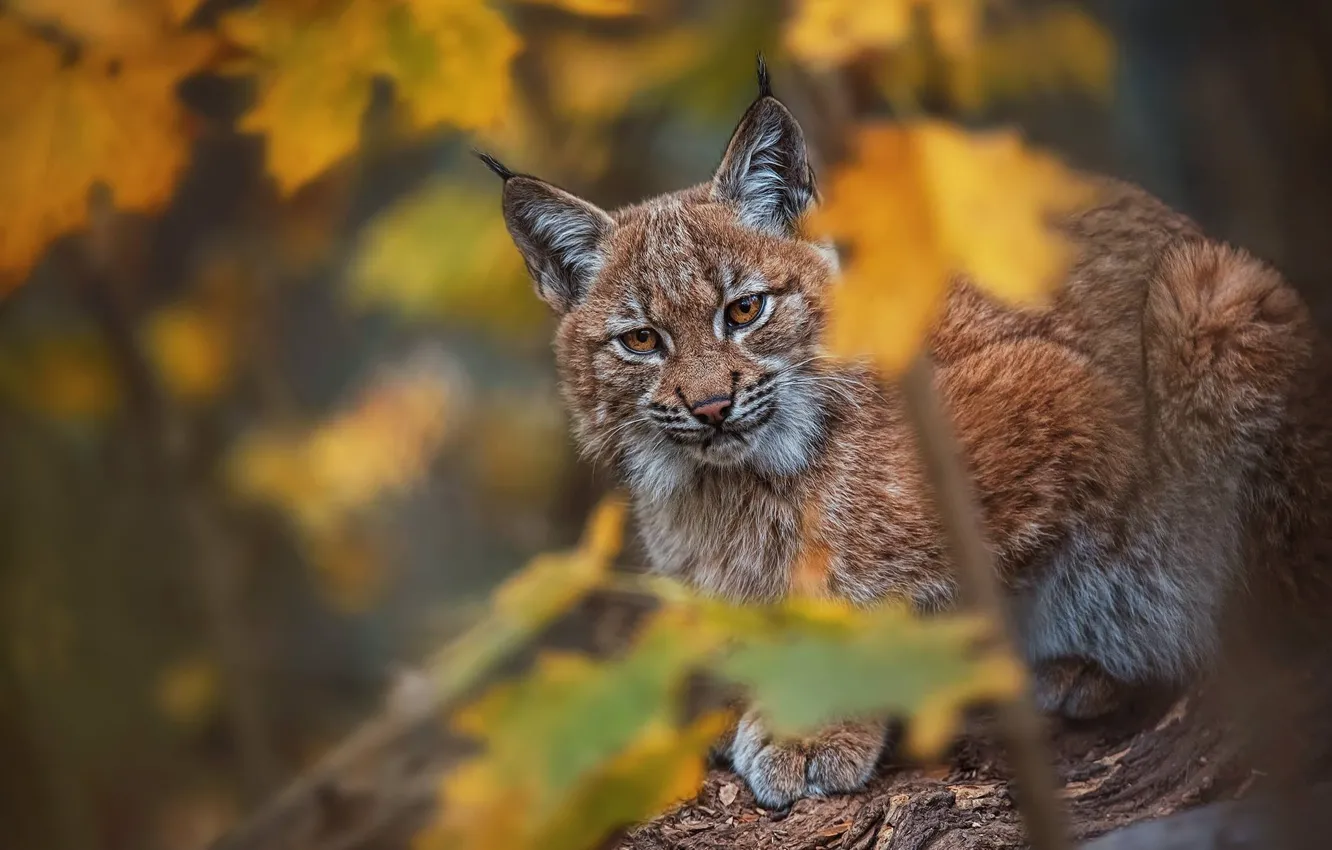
point(315, 65)
point(70, 126)
point(922, 202)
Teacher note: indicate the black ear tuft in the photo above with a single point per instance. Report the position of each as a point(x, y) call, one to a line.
point(765, 85)
point(765, 171)
point(495, 165)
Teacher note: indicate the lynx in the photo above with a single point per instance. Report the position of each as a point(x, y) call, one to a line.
point(1142, 446)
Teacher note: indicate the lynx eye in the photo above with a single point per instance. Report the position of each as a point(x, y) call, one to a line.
point(641, 340)
point(744, 310)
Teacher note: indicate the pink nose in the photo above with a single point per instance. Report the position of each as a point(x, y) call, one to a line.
point(712, 411)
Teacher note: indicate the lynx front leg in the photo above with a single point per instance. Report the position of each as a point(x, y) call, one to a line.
point(838, 759)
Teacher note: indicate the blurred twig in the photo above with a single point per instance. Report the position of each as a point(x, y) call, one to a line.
point(839, 101)
point(1034, 776)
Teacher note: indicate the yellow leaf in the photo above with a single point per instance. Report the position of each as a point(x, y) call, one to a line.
point(192, 350)
point(585, 746)
point(936, 720)
point(67, 127)
point(663, 767)
point(315, 65)
point(920, 203)
point(605, 530)
point(553, 582)
point(188, 690)
point(831, 32)
point(453, 68)
point(380, 445)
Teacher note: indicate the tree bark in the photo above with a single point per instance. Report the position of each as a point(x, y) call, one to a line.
point(1110, 776)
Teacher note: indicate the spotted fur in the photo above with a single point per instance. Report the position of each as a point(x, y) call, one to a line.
point(1143, 447)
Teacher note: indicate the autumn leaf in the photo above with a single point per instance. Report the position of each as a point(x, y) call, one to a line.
point(922, 202)
point(551, 583)
point(106, 119)
point(662, 766)
point(531, 598)
point(585, 746)
point(315, 65)
point(380, 445)
point(327, 479)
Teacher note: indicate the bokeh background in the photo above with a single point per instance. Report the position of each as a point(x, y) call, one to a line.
point(261, 450)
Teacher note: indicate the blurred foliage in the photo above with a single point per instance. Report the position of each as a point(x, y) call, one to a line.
point(273, 381)
point(921, 202)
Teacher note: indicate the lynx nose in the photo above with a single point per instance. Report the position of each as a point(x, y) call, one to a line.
point(712, 411)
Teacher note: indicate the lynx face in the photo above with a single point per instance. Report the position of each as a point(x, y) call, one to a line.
point(697, 343)
point(691, 324)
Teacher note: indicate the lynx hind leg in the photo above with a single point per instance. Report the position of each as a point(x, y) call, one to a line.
point(1077, 689)
point(836, 760)
point(1225, 339)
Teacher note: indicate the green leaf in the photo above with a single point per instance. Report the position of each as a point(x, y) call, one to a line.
point(810, 666)
point(571, 714)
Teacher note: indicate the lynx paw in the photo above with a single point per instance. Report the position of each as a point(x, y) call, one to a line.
point(779, 772)
point(1076, 689)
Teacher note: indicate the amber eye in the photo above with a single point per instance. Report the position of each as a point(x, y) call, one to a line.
point(641, 341)
point(742, 311)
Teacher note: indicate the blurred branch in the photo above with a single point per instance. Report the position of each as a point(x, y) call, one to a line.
point(839, 100)
point(1042, 814)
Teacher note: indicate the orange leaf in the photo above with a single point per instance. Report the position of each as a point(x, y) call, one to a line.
point(68, 127)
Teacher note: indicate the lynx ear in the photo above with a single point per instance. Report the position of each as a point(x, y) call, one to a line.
point(765, 172)
point(560, 235)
